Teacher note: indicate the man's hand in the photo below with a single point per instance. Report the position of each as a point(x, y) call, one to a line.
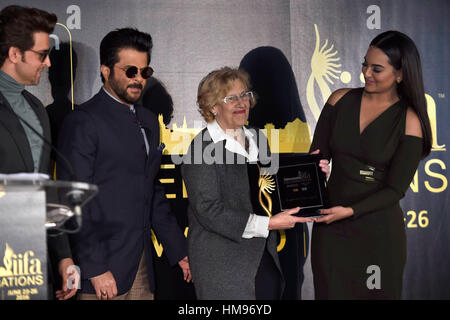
point(105, 286)
point(184, 265)
point(70, 279)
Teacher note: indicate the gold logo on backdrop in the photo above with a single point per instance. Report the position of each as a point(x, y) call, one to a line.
point(324, 66)
point(20, 270)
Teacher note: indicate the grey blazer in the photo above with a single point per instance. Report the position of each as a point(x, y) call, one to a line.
point(223, 264)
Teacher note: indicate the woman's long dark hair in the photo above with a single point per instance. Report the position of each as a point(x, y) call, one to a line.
point(403, 55)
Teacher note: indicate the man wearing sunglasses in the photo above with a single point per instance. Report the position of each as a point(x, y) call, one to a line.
point(114, 143)
point(24, 48)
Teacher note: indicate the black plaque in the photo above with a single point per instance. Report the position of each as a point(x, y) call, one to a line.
point(301, 183)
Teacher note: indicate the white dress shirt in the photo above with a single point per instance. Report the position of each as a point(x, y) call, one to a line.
point(257, 226)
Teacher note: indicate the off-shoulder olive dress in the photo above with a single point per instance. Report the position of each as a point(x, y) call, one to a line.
point(363, 257)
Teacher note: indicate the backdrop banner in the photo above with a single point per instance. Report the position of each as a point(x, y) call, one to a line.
point(297, 52)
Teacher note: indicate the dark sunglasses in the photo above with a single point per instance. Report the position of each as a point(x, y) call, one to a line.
point(132, 71)
point(44, 53)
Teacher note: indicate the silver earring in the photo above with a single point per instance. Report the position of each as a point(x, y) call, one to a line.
point(214, 114)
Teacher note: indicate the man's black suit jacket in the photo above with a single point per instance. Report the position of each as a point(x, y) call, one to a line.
point(15, 151)
point(103, 141)
point(15, 157)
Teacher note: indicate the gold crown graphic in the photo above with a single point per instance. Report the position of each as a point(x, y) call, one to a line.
point(293, 138)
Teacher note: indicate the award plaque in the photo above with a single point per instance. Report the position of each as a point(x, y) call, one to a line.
point(301, 183)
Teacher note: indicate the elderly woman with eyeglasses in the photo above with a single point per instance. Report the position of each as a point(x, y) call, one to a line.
point(232, 250)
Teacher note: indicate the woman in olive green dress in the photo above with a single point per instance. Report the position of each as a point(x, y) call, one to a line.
point(376, 137)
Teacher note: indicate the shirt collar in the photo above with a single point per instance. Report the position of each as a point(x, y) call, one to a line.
point(217, 134)
point(10, 85)
point(109, 94)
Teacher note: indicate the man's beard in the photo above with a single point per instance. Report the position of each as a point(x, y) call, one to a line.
point(122, 92)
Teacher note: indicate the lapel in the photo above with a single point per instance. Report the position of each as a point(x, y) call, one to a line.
point(17, 133)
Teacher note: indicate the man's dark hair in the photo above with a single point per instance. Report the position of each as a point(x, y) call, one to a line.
point(17, 26)
point(126, 38)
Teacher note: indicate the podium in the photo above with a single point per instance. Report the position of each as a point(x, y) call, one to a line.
point(28, 208)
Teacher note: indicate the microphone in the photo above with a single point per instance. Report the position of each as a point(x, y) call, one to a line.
point(74, 197)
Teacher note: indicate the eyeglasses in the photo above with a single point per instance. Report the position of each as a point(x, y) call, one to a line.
point(234, 98)
point(132, 71)
point(44, 53)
